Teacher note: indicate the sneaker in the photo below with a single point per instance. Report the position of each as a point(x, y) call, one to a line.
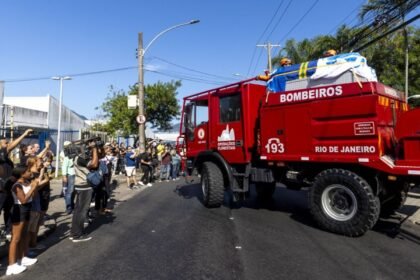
point(81, 238)
point(28, 261)
point(92, 204)
point(15, 269)
point(141, 183)
point(149, 185)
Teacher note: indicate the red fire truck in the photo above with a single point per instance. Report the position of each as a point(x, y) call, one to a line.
point(354, 144)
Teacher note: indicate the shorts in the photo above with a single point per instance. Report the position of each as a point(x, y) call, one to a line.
point(21, 212)
point(130, 171)
point(34, 219)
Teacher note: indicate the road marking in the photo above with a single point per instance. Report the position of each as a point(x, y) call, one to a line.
point(238, 247)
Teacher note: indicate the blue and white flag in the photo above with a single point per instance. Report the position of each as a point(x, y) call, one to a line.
point(333, 66)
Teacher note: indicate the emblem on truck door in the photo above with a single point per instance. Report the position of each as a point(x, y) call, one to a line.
point(201, 133)
point(274, 146)
point(226, 140)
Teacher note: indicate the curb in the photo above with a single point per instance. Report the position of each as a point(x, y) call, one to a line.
point(410, 230)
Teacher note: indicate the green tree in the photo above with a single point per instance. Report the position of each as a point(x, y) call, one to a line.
point(388, 59)
point(120, 118)
point(161, 106)
point(389, 9)
point(160, 103)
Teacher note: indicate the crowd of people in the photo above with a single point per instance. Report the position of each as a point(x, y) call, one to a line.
point(24, 197)
point(159, 162)
point(86, 171)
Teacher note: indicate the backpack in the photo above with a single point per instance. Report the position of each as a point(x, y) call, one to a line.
point(94, 178)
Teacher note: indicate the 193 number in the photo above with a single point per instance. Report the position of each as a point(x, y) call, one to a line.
point(274, 146)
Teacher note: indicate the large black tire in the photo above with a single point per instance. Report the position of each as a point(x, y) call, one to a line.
point(212, 185)
point(265, 191)
point(343, 202)
point(396, 202)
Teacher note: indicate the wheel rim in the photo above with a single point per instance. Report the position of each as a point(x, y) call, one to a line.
point(339, 202)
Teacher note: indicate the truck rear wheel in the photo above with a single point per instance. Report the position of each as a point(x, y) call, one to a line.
point(265, 191)
point(343, 202)
point(212, 185)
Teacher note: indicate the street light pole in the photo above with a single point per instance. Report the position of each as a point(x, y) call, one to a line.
point(60, 105)
point(417, 96)
point(141, 53)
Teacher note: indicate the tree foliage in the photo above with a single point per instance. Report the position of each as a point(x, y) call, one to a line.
point(160, 103)
point(120, 118)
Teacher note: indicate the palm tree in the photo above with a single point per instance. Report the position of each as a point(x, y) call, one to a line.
point(391, 8)
point(310, 49)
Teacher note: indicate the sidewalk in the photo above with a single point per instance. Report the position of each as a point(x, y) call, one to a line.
point(59, 222)
point(410, 214)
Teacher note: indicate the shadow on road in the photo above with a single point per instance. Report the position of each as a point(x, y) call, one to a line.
point(294, 203)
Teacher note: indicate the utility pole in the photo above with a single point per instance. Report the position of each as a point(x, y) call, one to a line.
point(141, 118)
point(269, 47)
point(140, 56)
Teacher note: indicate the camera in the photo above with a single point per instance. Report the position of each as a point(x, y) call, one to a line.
point(81, 147)
point(98, 142)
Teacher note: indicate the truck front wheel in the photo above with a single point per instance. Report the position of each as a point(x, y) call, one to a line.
point(212, 185)
point(343, 202)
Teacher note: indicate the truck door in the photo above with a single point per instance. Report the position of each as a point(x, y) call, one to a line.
point(196, 118)
point(227, 134)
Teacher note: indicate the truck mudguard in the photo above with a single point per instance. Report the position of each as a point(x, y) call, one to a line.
point(216, 158)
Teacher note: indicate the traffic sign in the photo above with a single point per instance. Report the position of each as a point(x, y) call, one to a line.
point(141, 119)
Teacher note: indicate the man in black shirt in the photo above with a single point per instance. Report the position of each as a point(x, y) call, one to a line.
point(146, 166)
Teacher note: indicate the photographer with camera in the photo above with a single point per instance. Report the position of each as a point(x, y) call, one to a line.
point(84, 163)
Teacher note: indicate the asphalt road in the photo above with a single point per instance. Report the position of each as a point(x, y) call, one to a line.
point(165, 233)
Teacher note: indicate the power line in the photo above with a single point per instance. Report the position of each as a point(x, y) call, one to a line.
point(300, 20)
point(262, 35)
point(342, 22)
point(72, 75)
point(269, 35)
point(390, 19)
point(278, 21)
point(192, 70)
point(187, 78)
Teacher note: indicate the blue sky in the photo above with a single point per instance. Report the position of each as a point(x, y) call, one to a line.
point(49, 38)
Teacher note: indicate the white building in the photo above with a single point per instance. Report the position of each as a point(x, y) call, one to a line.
point(41, 105)
point(41, 114)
